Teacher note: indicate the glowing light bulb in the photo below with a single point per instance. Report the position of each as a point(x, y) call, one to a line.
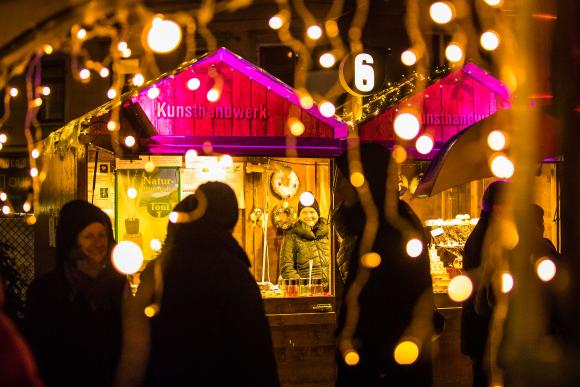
point(31, 220)
point(441, 12)
point(38, 102)
point(454, 52)
point(399, 154)
point(296, 126)
point(5, 210)
point(408, 57)
point(406, 352)
point(138, 79)
point(507, 282)
point(460, 288)
point(155, 244)
point(122, 46)
point(164, 35)
point(327, 60)
point(213, 95)
point(494, 3)
point(47, 48)
point(82, 34)
point(111, 125)
point(306, 100)
point(45, 90)
point(173, 216)
point(307, 198)
point(35, 153)
point(276, 22)
point(130, 141)
point(132, 193)
point(190, 157)
point(151, 310)
point(149, 166)
point(496, 140)
point(546, 269)
point(104, 72)
point(370, 260)
point(226, 161)
point(414, 248)
point(3, 196)
point(314, 32)
point(502, 167)
point(193, 84)
point(33, 172)
point(13, 91)
point(126, 53)
point(327, 109)
point(127, 257)
point(153, 92)
point(351, 357)
point(357, 179)
point(3, 138)
point(26, 206)
point(406, 125)
point(111, 93)
point(489, 40)
point(84, 74)
point(424, 144)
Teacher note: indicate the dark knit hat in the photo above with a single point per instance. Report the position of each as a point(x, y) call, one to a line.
point(313, 205)
point(375, 160)
point(222, 205)
point(495, 193)
point(73, 218)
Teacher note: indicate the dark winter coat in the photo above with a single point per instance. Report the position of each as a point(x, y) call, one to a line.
point(386, 305)
point(73, 324)
point(302, 244)
point(474, 327)
point(211, 330)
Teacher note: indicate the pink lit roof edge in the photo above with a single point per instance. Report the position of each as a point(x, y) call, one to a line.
point(222, 54)
point(482, 76)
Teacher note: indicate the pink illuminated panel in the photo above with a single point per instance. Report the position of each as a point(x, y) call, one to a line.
point(461, 99)
point(251, 103)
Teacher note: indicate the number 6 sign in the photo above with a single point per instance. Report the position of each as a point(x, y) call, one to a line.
point(361, 73)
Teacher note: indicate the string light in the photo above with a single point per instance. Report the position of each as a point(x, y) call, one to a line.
point(314, 32)
point(132, 193)
point(213, 95)
point(306, 198)
point(85, 74)
point(351, 357)
point(496, 140)
point(127, 257)
point(406, 352)
point(460, 288)
point(111, 93)
point(47, 48)
point(164, 35)
point(409, 57)
point(276, 22)
point(357, 179)
point(104, 72)
point(82, 34)
point(502, 167)
point(371, 260)
point(414, 248)
point(441, 12)
point(13, 92)
point(151, 310)
point(489, 40)
point(406, 125)
point(3, 196)
point(306, 100)
point(26, 206)
point(5, 210)
point(35, 153)
point(126, 53)
point(327, 60)
point(111, 125)
point(138, 79)
point(149, 166)
point(130, 141)
point(33, 172)
point(454, 52)
point(546, 269)
point(153, 92)
point(296, 126)
point(327, 109)
point(507, 282)
point(38, 102)
point(424, 144)
point(3, 138)
point(494, 3)
point(122, 46)
point(45, 90)
point(399, 154)
point(193, 84)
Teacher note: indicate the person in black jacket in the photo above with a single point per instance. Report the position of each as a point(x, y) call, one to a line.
point(386, 300)
point(211, 329)
point(475, 326)
point(73, 313)
point(306, 244)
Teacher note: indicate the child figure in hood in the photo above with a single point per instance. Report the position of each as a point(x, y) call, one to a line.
point(304, 243)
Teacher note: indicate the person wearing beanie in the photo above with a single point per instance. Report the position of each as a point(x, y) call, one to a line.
point(382, 303)
point(73, 313)
point(306, 244)
point(211, 328)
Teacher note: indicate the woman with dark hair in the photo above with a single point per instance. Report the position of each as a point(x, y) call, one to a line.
point(73, 313)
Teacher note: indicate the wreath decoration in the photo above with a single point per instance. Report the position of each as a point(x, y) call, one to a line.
point(283, 216)
point(284, 184)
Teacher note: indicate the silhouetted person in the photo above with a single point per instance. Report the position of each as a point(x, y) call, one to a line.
point(73, 314)
point(474, 326)
point(396, 300)
point(211, 329)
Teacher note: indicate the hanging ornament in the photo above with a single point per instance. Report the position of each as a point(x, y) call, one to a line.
point(285, 183)
point(283, 216)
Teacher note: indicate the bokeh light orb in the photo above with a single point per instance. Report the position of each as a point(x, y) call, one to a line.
point(130, 141)
point(406, 352)
point(406, 125)
point(164, 35)
point(276, 22)
point(507, 282)
point(226, 161)
point(132, 192)
point(357, 179)
point(213, 95)
point(460, 288)
point(414, 247)
point(351, 357)
point(327, 109)
point(454, 52)
point(441, 12)
point(193, 84)
point(307, 198)
point(502, 167)
point(409, 57)
point(35, 153)
point(546, 269)
point(496, 140)
point(489, 40)
point(327, 60)
point(424, 144)
point(153, 92)
point(127, 257)
point(371, 260)
point(296, 126)
point(314, 32)
point(111, 93)
point(138, 79)
point(155, 244)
